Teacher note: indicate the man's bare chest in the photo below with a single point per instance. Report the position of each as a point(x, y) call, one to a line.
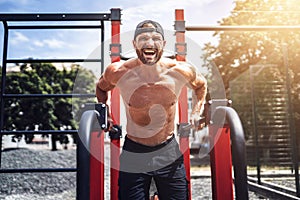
point(149, 94)
point(140, 90)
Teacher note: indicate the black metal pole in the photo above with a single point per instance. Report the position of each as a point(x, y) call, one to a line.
point(242, 28)
point(255, 132)
point(102, 47)
point(291, 119)
point(3, 80)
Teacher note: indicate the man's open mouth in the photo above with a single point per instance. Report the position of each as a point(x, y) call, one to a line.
point(149, 53)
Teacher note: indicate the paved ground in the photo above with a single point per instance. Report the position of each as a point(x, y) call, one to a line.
point(61, 186)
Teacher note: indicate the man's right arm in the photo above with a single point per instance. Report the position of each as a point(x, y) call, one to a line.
point(100, 93)
point(104, 85)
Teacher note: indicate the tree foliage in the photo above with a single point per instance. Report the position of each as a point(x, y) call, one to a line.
point(237, 50)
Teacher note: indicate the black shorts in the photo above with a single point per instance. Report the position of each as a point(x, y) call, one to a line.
point(140, 163)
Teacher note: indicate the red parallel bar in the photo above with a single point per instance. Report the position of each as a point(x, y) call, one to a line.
point(97, 166)
point(183, 103)
point(221, 163)
point(115, 113)
point(115, 39)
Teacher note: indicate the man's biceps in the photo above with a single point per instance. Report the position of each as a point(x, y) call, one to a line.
point(105, 85)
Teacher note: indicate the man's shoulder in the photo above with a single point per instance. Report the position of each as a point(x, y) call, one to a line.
point(184, 68)
point(169, 62)
point(130, 63)
point(177, 65)
point(117, 64)
point(174, 63)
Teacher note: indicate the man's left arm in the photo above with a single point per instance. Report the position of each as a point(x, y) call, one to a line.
point(199, 85)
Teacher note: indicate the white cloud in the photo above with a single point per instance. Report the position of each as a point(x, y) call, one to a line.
point(195, 11)
point(38, 43)
point(20, 2)
point(18, 38)
point(203, 12)
point(54, 43)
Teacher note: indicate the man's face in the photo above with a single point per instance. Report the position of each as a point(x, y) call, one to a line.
point(149, 47)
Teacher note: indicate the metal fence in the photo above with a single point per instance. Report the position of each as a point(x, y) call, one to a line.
point(33, 22)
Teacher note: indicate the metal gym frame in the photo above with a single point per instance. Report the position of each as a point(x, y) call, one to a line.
point(114, 16)
point(180, 47)
point(90, 177)
point(90, 174)
point(268, 190)
point(221, 154)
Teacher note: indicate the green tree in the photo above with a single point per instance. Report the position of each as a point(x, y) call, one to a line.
point(236, 51)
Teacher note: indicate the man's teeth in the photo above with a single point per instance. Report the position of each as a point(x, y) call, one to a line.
point(149, 51)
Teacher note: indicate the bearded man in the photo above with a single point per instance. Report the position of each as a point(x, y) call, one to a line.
point(150, 86)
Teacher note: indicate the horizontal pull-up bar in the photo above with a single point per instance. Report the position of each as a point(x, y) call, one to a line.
point(55, 17)
point(57, 27)
point(114, 15)
point(241, 28)
point(19, 96)
point(38, 170)
point(39, 132)
point(59, 60)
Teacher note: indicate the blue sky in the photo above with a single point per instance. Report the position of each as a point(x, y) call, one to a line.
point(67, 44)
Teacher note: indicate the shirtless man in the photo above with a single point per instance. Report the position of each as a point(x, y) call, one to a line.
point(150, 86)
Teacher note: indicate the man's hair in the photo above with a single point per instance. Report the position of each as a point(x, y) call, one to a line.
point(142, 28)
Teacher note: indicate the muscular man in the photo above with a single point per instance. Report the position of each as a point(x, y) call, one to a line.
point(150, 86)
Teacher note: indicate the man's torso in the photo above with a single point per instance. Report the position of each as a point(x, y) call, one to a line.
point(150, 95)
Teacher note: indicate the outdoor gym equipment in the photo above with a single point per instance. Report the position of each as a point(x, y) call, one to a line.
point(92, 186)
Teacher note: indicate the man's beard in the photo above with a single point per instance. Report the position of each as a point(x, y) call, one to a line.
point(140, 53)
